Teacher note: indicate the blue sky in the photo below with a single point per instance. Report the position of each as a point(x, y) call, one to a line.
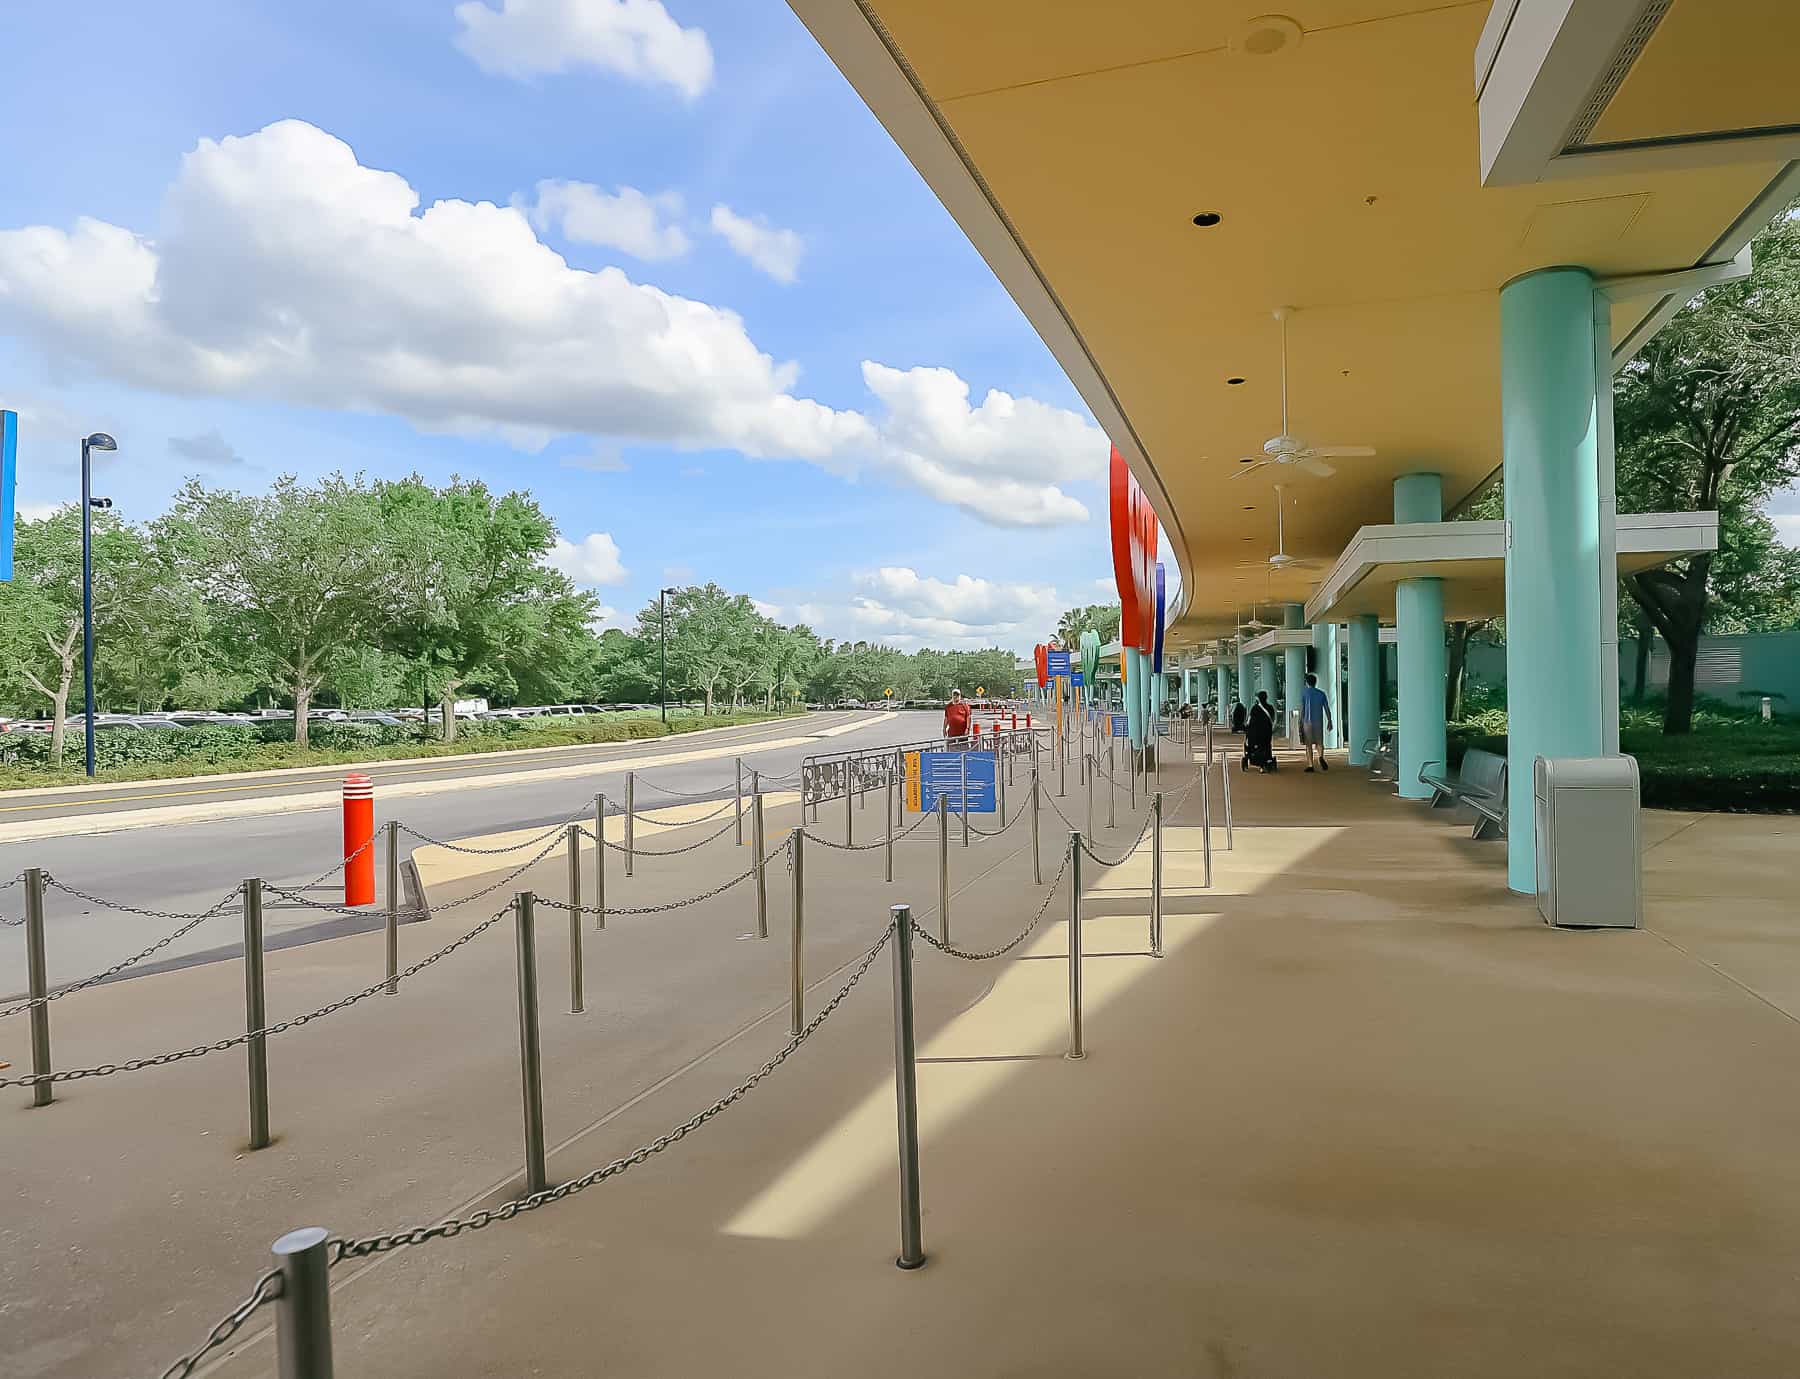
point(710, 316)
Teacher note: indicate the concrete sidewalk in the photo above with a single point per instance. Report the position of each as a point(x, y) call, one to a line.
point(1367, 1117)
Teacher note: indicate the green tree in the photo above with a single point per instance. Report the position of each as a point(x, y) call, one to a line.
point(469, 598)
point(40, 608)
point(296, 575)
point(1100, 618)
point(710, 633)
point(624, 669)
point(1708, 417)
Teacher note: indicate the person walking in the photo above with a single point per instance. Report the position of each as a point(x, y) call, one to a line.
point(1259, 735)
point(956, 716)
point(1315, 718)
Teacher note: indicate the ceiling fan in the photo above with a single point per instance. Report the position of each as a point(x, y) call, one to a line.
point(1281, 560)
point(1288, 448)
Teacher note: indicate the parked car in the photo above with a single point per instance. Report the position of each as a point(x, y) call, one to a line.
point(375, 716)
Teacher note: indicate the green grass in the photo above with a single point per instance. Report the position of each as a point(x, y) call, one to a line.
point(1732, 761)
point(633, 725)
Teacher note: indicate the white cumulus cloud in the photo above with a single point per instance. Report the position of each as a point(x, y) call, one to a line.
point(592, 560)
point(772, 250)
point(630, 38)
point(900, 607)
point(626, 219)
point(285, 270)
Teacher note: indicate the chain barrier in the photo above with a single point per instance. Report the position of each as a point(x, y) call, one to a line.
point(224, 903)
point(343, 1249)
point(365, 911)
point(267, 1289)
point(6, 920)
point(133, 1065)
point(722, 830)
point(119, 967)
point(881, 842)
point(336, 867)
point(995, 833)
point(1016, 939)
point(555, 830)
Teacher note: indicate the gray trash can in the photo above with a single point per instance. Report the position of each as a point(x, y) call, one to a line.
point(1589, 855)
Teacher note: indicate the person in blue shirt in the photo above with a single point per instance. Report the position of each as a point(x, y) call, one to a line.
point(1315, 718)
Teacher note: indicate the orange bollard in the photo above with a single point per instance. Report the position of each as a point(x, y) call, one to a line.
point(359, 833)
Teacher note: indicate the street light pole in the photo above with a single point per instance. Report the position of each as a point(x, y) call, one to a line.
point(98, 441)
point(662, 627)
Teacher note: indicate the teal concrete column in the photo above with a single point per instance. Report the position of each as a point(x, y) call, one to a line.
point(1202, 689)
point(1550, 442)
point(1365, 685)
point(1325, 666)
point(1222, 705)
point(1137, 675)
point(1424, 663)
point(1265, 676)
point(1293, 666)
point(1246, 688)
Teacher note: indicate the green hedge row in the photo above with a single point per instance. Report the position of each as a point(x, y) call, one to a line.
point(1730, 772)
point(223, 743)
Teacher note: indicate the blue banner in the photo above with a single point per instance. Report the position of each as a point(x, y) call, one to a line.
point(1076, 679)
point(1056, 665)
point(943, 774)
point(1121, 726)
point(9, 466)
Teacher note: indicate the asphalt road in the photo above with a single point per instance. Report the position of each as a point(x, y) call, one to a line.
point(186, 865)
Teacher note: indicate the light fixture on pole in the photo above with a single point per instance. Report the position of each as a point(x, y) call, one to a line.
point(662, 624)
point(98, 441)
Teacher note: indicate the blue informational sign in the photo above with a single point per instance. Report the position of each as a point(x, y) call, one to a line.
point(1056, 665)
point(1120, 725)
point(1076, 679)
point(942, 774)
point(1156, 659)
point(9, 468)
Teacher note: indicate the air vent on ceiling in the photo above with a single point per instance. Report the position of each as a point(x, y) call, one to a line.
point(1265, 36)
point(1630, 49)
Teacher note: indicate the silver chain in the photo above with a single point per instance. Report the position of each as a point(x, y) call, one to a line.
point(555, 830)
point(1018, 938)
point(446, 1230)
point(218, 1046)
point(812, 837)
point(669, 852)
point(267, 1289)
point(995, 833)
point(336, 867)
point(469, 899)
point(224, 903)
point(119, 967)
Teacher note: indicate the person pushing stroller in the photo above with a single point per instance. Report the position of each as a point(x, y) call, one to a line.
point(1259, 735)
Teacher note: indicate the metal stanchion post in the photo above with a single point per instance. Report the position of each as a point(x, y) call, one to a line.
point(1089, 764)
point(1137, 764)
point(1156, 876)
point(943, 868)
point(599, 862)
point(1076, 1048)
point(630, 818)
point(1037, 864)
point(303, 1304)
point(849, 806)
point(575, 964)
point(1225, 776)
point(962, 799)
point(255, 1016)
point(37, 984)
point(889, 810)
point(906, 1091)
point(737, 800)
point(531, 1077)
point(1000, 782)
point(797, 992)
point(762, 887)
point(1206, 826)
point(1062, 775)
point(393, 906)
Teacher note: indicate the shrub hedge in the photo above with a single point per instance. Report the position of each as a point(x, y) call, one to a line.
point(125, 753)
point(1728, 764)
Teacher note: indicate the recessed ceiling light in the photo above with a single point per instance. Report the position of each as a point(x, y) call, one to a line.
point(1207, 219)
point(1265, 36)
point(1249, 508)
point(1234, 382)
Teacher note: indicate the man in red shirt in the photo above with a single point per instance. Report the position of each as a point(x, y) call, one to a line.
point(956, 716)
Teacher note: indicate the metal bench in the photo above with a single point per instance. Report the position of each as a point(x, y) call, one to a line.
point(1479, 783)
point(1384, 754)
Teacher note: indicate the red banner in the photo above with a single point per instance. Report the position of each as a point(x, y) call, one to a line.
point(1134, 557)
